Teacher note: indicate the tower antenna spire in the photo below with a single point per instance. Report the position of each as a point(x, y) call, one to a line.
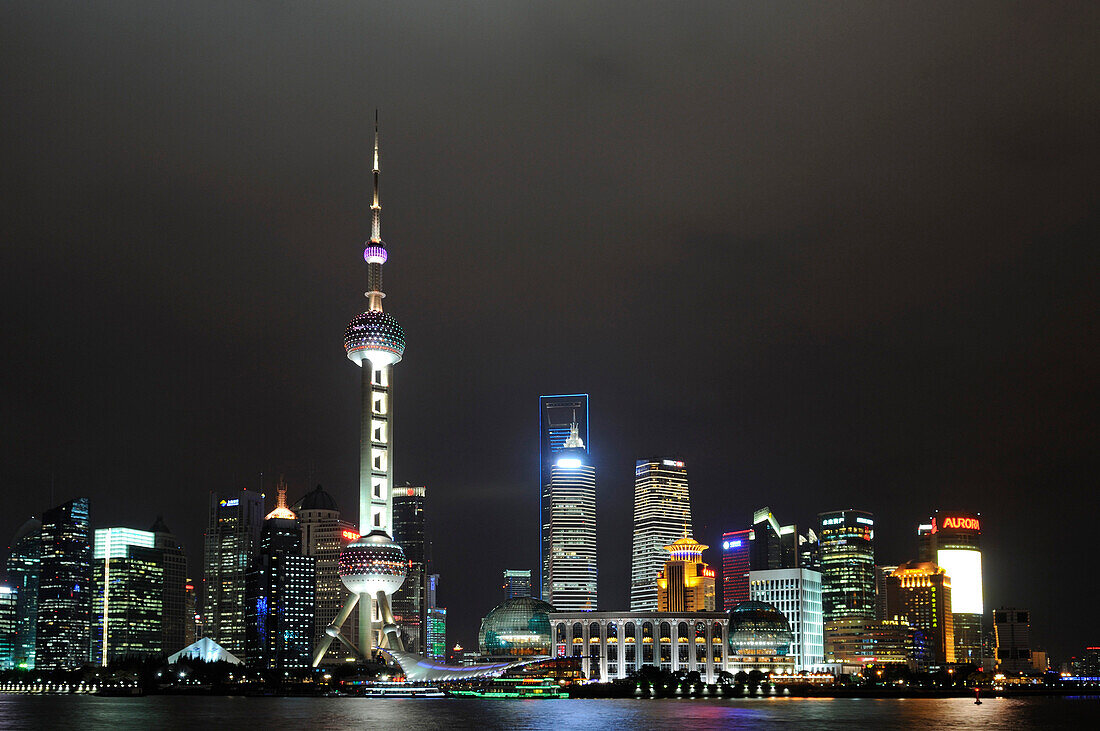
point(376, 209)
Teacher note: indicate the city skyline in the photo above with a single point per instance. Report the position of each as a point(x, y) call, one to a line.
point(850, 275)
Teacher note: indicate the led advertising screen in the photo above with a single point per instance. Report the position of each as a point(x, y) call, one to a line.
point(965, 569)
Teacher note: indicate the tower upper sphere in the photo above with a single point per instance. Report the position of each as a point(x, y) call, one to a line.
point(376, 336)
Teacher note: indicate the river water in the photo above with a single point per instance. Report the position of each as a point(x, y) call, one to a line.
point(410, 714)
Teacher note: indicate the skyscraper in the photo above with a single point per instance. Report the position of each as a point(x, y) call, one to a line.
point(64, 588)
point(685, 584)
point(952, 540)
point(662, 514)
point(557, 414)
point(232, 536)
point(175, 618)
point(848, 564)
point(772, 546)
point(735, 568)
point(23, 569)
point(279, 594)
point(571, 526)
point(373, 567)
point(410, 601)
point(517, 583)
point(128, 606)
point(324, 535)
point(437, 622)
point(1012, 636)
point(797, 594)
point(882, 605)
point(9, 598)
point(920, 592)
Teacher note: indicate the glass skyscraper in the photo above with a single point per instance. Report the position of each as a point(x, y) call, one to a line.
point(847, 540)
point(176, 615)
point(23, 568)
point(64, 588)
point(662, 515)
point(517, 583)
point(735, 568)
point(409, 603)
point(570, 527)
point(232, 536)
point(556, 415)
point(128, 606)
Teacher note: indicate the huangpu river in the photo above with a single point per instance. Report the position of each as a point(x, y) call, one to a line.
point(410, 714)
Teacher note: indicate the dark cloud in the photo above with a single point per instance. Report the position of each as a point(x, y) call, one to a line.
point(837, 254)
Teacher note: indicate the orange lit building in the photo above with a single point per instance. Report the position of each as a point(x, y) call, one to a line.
point(685, 584)
point(920, 592)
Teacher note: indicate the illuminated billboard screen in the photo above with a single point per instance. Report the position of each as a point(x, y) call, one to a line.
point(965, 569)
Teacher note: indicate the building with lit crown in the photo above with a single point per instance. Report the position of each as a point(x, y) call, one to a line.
point(735, 568)
point(279, 597)
point(373, 567)
point(662, 514)
point(847, 564)
point(517, 583)
point(797, 594)
point(685, 584)
point(128, 604)
point(571, 497)
point(410, 603)
point(952, 540)
point(557, 414)
point(232, 537)
point(64, 624)
point(919, 592)
point(771, 545)
point(858, 641)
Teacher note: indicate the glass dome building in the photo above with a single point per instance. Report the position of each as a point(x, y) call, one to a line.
point(515, 628)
point(759, 638)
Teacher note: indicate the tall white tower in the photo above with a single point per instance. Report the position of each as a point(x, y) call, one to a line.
point(571, 497)
point(373, 567)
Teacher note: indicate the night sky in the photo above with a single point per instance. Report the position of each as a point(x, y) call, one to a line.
point(830, 254)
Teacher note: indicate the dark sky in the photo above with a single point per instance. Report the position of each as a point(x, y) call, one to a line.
point(831, 254)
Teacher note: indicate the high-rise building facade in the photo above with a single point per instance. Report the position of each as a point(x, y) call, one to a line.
point(373, 566)
point(23, 569)
point(324, 536)
point(735, 568)
point(517, 583)
point(919, 592)
point(437, 622)
point(662, 514)
point(128, 605)
point(797, 594)
point(882, 605)
point(232, 536)
point(557, 414)
point(859, 641)
point(9, 598)
point(1012, 635)
point(952, 540)
point(685, 584)
point(279, 595)
point(410, 604)
point(847, 540)
point(571, 526)
point(63, 629)
point(176, 617)
point(771, 545)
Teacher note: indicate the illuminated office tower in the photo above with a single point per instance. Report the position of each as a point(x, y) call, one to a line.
point(437, 622)
point(64, 588)
point(176, 616)
point(192, 628)
point(662, 514)
point(517, 583)
point(23, 568)
point(797, 594)
point(847, 564)
point(128, 605)
point(373, 566)
point(324, 535)
point(920, 593)
point(410, 601)
point(9, 598)
point(953, 541)
point(279, 594)
point(735, 568)
point(772, 546)
point(232, 536)
point(557, 414)
point(571, 499)
point(685, 584)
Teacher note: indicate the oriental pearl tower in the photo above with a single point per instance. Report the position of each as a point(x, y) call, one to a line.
point(372, 567)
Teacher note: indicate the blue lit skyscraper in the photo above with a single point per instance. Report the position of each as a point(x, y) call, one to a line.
point(557, 414)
